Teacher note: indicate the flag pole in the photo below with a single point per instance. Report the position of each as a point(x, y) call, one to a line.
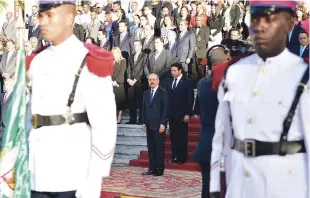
point(20, 35)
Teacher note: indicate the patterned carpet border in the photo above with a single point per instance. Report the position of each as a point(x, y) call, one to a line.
point(128, 181)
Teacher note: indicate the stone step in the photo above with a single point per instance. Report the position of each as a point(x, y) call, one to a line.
point(120, 161)
point(131, 141)
point(131, 132)
point(123, 158)
point(129, 149)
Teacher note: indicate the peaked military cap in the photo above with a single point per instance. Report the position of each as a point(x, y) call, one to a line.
point(270, 7)
point(49, 4)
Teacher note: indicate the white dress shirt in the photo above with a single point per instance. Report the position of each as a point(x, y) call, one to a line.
point(10, 53)
point(68, 157)
point(302, 49)
point(154, 91)
point(178, 80)
point(170, 44)
point(85, 19)
point(157, 53)
point(151, 19)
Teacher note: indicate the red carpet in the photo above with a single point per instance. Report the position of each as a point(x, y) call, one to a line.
point(110, 195)
point(193, 135)
point(127, 182)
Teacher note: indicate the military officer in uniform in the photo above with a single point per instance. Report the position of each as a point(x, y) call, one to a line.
point(263, 114)
point(72, 142)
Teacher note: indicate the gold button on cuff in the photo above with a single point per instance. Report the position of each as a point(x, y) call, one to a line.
point(255, 93)
point(250, 121)
point(247, 174)
point(263, 69)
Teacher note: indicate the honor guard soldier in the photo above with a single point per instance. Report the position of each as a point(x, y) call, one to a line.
point(72, 142)
point(264, 114)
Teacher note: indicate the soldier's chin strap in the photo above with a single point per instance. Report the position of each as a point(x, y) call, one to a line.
point(289, 118)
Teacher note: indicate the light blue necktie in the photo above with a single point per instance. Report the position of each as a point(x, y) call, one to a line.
point(301, 51)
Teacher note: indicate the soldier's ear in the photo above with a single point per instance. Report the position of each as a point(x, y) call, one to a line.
point(70, 19)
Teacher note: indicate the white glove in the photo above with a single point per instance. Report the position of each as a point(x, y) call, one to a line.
point(91, 188)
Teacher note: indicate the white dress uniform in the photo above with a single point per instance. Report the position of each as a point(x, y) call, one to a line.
point(260, 94)
point(70, 157)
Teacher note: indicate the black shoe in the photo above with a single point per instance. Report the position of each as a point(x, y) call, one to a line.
point(149, 172)
point(130, 122)
point(174, 160)
point(159, 173)
point(180, 162)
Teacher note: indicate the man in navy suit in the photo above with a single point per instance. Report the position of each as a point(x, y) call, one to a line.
point(302, 50)
point(206, 104)
point(5, 99)
point(154, 121)
point(181, 97)
point(124, 41)
point(293, 36)
point(35, 31)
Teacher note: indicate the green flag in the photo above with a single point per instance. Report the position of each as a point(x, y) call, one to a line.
point(14, 172)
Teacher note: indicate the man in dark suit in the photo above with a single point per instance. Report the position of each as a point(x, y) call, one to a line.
point(154, 120)
point(293, 36)
point(186, 46)
point(181, 97)
point(205, 107)
point(202, 34)
point(148, 41)
point(8, 61)
point(78, 31)
point(302, 49)
point(5, 99)
point(159, 23)
point(159, 62)
point(124, 40)
point(103, 40)
point(35, 31)
point(135, 79)
point(171, 46)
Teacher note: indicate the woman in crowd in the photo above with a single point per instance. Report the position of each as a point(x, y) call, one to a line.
point(140, 31)
point(215, 23)
point(136, 25)
point(168, 25)
point(201, 11)
point(108, 25)
point(184, 15)
point(90, 40)
point(118, 80)
point(301, 13)
point(302, 16)
point(192, 22)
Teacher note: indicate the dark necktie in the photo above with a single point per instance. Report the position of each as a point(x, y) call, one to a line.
point(174, 84)
point(151, 95)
